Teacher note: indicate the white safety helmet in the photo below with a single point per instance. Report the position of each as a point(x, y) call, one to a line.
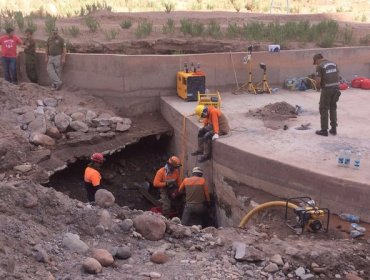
point(198, 171)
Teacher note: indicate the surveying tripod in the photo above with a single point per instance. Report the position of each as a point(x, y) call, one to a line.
point(247, 85)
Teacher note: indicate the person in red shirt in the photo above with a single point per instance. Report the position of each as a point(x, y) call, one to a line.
point(9, 44)
point(92, 176)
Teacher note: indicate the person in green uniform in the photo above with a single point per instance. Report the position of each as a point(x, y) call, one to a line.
point(327, 79)
point(55, 58)
point(30, 53)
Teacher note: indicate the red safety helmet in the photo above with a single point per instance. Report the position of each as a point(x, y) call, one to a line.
point(97, 157)
point(174, 161)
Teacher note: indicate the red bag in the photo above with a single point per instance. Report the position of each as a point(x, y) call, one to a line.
point(356, 82)
point(365, 84)
point(343, 86)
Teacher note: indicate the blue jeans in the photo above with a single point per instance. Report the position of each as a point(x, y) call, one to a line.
point(10, 69)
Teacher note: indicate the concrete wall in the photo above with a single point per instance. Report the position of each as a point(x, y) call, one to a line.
point(133, 83)
point(238, 178)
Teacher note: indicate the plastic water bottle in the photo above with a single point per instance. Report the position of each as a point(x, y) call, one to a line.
point(357, 161)
point(349, 218)
point(340, 159)
point(357, 227)
point(347, 158)
point(356, 233)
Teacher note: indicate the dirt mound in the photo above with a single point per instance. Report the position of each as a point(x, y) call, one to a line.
point(275, 111)
point(275, 115)
point(53, 235)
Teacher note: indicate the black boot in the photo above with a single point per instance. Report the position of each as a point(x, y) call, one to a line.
point(204, 158)
point(322, 132)
point(333, 130)
point(197, 153)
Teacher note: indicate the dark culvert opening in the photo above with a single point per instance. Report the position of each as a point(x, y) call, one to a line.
point(124, 173)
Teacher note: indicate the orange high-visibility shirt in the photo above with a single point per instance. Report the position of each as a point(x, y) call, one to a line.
point(213, 115)
point(92, 176)
point(196, 189)
point(161, 178)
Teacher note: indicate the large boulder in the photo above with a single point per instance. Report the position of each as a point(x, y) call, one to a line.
point(73, 243)
point(151, 227)
point(26, 118)
point(78, 116)
point(41, 139)
point(50, 114)
point(247, 253)
point(62, 121)
point(50, 102)
point(121, 127)
point(90, 115)
point(38, 125)
point(53, 132)
point(23, 167)
point(79, 126)
point(123, 252)
point(104, 198)
point(103, 257)
point(92, 266)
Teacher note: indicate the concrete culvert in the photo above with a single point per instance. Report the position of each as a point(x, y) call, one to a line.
point(125, 173)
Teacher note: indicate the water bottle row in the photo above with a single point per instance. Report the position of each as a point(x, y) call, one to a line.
point(346, 159)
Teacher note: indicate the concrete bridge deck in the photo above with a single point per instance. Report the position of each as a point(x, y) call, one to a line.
point(283, 163)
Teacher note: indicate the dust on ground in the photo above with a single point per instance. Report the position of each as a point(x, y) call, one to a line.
point(275, 114)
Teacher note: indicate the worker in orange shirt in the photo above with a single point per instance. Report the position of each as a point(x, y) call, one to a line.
point(167, 179)
point(197, 199)
point(214, 125)
point(92, 176)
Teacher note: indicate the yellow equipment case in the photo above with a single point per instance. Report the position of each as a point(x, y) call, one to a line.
point(189, 84)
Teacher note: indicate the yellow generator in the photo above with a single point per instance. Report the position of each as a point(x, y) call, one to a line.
point(189, 84)
point(210, 99)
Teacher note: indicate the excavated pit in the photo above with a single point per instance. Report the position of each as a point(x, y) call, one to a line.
point(124, 173)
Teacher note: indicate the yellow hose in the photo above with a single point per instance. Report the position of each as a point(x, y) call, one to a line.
point(263, 206)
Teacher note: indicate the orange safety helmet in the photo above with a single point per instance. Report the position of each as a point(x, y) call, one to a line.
point(97, 157)
point(175, 161)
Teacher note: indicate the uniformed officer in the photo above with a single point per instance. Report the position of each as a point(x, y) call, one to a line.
point(30, 53)
point(55, 58)
point(327, 79)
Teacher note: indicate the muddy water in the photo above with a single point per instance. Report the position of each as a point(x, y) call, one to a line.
point(122, 173)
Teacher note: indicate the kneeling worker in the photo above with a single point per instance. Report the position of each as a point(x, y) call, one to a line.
point(197, 199)
point(167, 179)
point(214, 124)
point(92, 176)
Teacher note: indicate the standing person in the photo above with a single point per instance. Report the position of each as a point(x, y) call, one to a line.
point(197, 199)
point(92, 177)
point(167, 179)
point(327, 79)
point(214, 124)
point(30, 53)
point(9, 44)
point(55, 58)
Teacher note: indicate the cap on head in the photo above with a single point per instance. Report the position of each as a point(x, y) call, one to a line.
point(97, 157)
point(198, 171)
point(317, 57)
point(9, 30)
point(174, 161)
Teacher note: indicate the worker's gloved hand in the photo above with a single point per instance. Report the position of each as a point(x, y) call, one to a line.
point(215, 137)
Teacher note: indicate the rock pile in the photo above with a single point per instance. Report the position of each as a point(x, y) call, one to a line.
point(47, 123)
